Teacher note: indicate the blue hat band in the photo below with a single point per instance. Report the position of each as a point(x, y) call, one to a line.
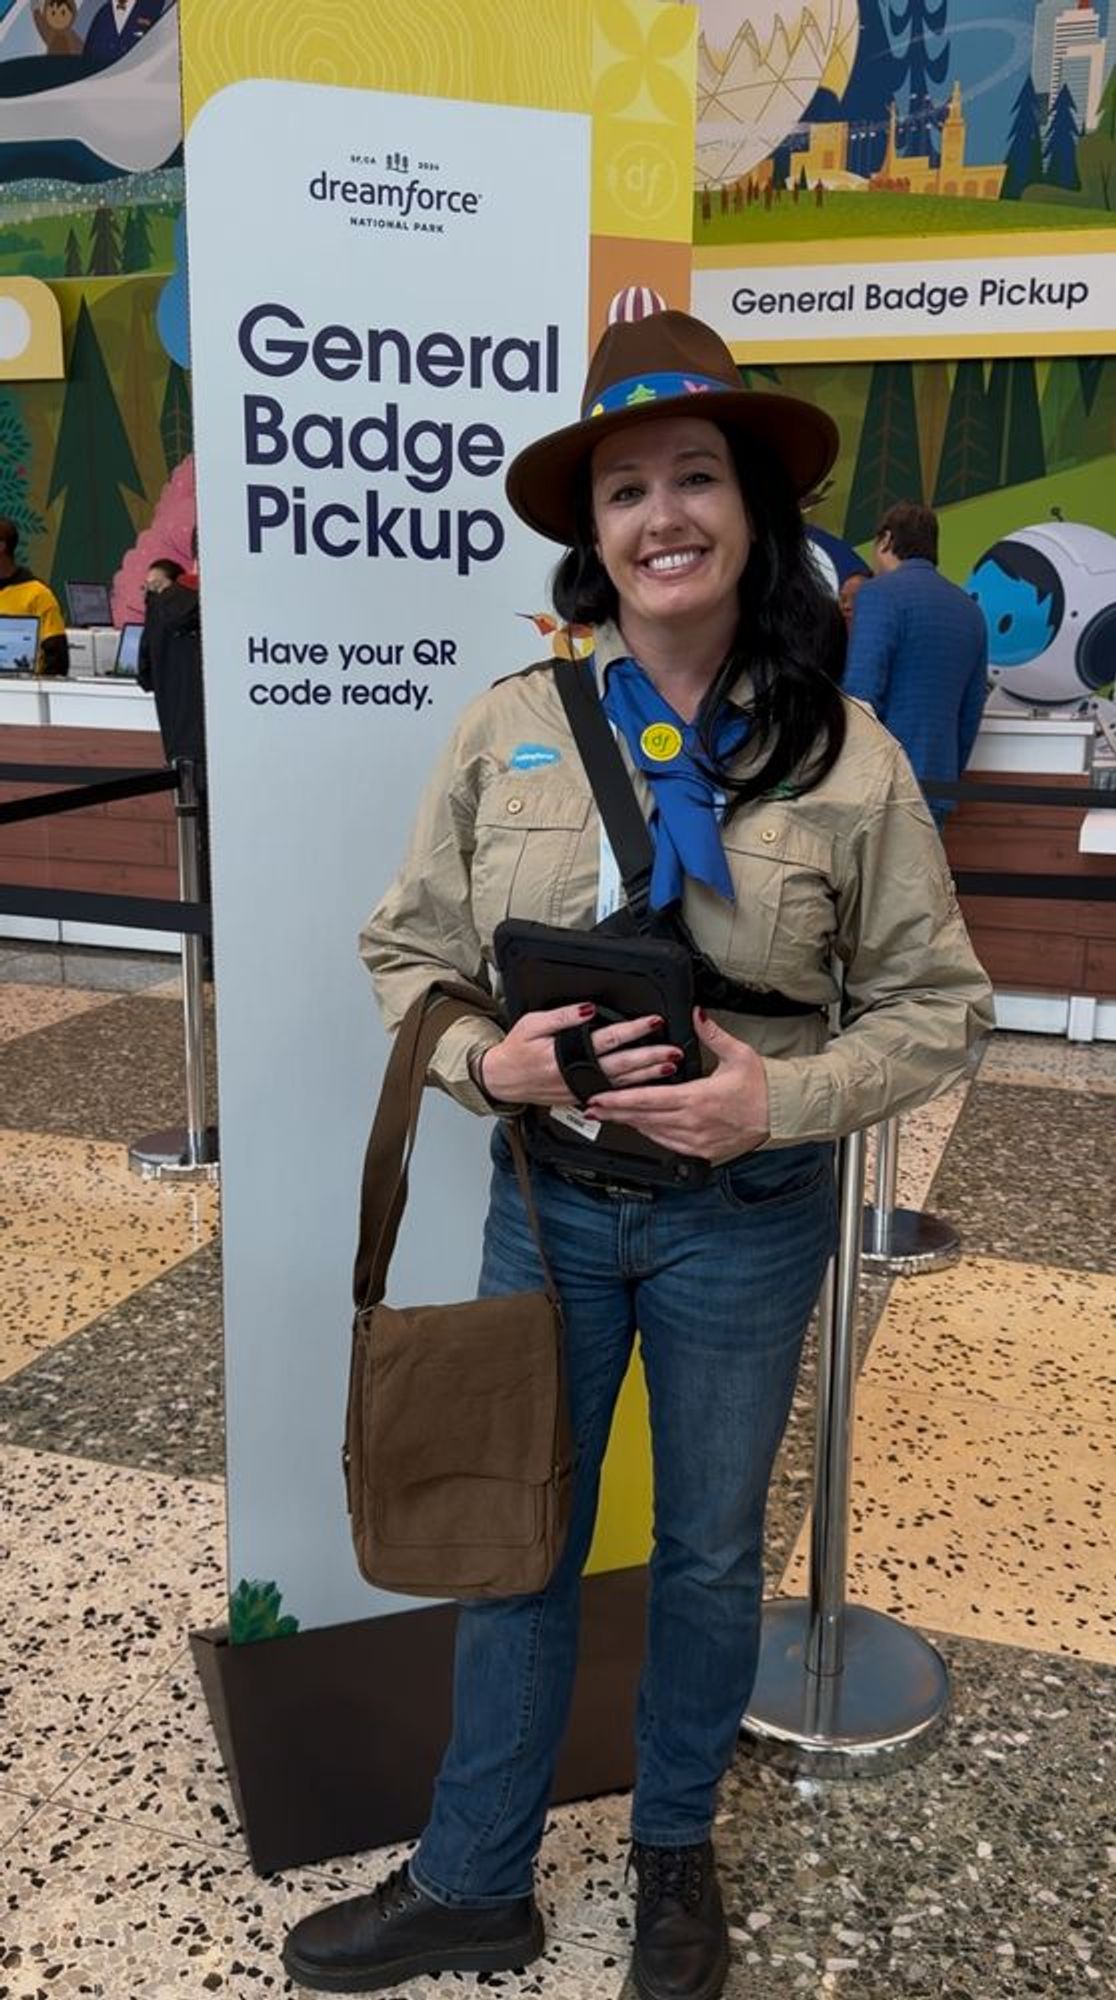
point(638, 389)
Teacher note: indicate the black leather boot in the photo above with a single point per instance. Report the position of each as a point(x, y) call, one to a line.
point(397, 1933)
point(682, 1943)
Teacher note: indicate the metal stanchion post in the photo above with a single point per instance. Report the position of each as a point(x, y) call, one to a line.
point(192, 1153)
point(902, 1239)
point(841, 1691)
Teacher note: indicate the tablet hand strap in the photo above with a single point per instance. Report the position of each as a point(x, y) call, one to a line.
point(581, 1072)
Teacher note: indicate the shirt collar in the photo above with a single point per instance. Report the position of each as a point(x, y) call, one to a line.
point(608, 647)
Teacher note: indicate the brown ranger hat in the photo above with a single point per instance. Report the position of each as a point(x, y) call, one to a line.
point(659, 366)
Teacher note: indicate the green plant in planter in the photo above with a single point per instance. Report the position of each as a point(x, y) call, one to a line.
point(254, 1613)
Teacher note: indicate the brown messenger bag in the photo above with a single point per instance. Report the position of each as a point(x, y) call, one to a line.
point(457, 1442)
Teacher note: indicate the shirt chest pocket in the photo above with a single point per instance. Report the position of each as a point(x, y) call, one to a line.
point(534, 846)
point(785, 916)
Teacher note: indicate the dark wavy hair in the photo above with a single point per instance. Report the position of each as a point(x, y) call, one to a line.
point(790, 637)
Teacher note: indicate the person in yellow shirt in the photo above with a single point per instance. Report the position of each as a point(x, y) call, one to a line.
point(23, 596)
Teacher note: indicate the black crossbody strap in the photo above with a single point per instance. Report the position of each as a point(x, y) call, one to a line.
point(610, 781)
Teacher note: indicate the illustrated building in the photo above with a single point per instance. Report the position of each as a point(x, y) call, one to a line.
point(827, 159)
point(1042, 43)
point(1077, 60)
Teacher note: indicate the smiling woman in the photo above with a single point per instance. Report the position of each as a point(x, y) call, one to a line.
point(790, 843)
point(672, 533)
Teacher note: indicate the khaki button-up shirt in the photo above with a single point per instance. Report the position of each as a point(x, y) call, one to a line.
point(841, 895)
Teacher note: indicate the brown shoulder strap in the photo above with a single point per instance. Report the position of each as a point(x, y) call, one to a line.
point(383, 1193)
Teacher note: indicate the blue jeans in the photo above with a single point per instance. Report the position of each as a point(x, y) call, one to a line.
point(720, 1283)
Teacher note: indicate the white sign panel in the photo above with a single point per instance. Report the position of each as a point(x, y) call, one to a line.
point(915, 304)
point(385, 306)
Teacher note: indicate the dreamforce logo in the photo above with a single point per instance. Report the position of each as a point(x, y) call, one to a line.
point(402, 197)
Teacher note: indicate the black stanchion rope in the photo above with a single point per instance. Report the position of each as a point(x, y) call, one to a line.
point(1021, 795)
point(88, 906)
point(1041, 888)
point(128, 785)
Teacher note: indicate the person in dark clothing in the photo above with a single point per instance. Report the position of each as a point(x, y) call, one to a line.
point(170, 668)
point(918, 650)
point(161, 574)
point(23, 596)
point(118, 26)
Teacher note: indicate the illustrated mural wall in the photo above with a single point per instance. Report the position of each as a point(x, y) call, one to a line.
point(832, 121)
point(91, 202)
point(891, 117)
point(864, 120)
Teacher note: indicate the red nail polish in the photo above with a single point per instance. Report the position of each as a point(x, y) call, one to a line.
point(587, 1011)
point(669, 1069)
point(702, 1015)
point(657, 1021)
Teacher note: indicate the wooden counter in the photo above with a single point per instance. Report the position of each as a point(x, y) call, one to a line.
point(124, 848)
point(1042, 945)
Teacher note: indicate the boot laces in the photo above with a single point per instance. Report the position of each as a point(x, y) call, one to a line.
point(677, 1872)
point(393, 1893)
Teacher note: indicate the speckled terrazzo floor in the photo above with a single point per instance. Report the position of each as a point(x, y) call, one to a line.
point(81, 1232)
point(85, 968)
point(141, 1385)
point(986, 1456)
point(1029, 1176)
point(25, 1009)
point(113, 1073)
point(1050, 1062)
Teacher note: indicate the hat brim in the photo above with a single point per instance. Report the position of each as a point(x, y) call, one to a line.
point(542, 480)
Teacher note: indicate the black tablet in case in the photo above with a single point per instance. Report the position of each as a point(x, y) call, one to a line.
point(542, 966)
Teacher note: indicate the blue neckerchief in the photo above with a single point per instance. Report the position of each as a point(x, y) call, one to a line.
point(685, 825)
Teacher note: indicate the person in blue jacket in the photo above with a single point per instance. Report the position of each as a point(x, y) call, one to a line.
point(918, 650)
point(118, 26)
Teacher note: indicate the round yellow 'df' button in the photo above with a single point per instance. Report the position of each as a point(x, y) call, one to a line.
point(661, 741)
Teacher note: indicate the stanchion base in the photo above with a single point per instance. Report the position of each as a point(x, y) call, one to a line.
point(915, 1242)
point(884, 1710)
point(167, 1156)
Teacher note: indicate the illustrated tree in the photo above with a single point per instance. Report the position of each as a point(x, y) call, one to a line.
point(1059, 150)
point(104, 249)
point(921, 22)
point(1096, 154)
point(1023, 455)
point(15, 470)
point(135, 251)
point(888, 462)
point(142, 358)
point(865, 103)
point(1089, 368)
point(932, 397)
point(970, 455)
point(1023, 159)
point(1098, 436)
point(176, 422)
point(73, 256)
point(1063, 412)
point(92, 462)
point(995, 406)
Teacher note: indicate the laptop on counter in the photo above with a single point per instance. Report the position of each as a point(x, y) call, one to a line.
point(19, 645)
point(88, 604)
point(127, 652)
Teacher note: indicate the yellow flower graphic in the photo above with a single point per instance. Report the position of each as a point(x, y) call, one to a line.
point(642, 69)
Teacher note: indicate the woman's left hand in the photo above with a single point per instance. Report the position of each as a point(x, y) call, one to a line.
point(716, 1118)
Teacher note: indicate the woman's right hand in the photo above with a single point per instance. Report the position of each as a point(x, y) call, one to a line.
point(523, 1068)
